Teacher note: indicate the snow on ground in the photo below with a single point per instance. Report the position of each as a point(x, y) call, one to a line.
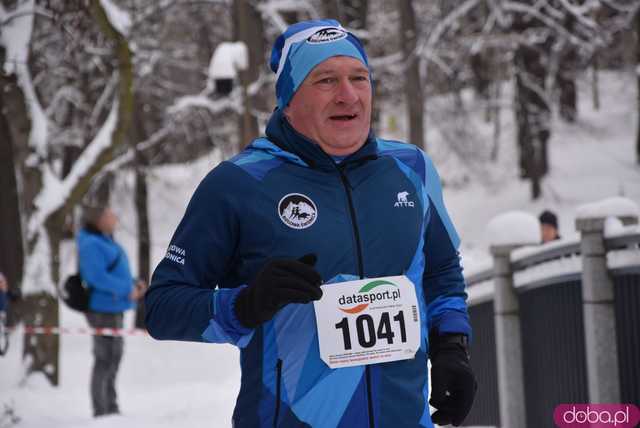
point(590, 160)
point(160, 384)
point(172, 384)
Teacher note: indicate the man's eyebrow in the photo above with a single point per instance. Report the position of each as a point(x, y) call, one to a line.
point(361, 70)
point(317, 73)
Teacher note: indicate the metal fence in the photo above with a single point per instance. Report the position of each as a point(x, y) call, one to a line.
point(483, 362)
point(627, 304)
point(552, 350)
point(552, 331)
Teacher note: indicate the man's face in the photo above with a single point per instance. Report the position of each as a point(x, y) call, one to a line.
point(333, 105)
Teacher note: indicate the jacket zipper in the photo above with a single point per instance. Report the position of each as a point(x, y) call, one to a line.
point(352, 213)
point(278, 382)
point(356, 232)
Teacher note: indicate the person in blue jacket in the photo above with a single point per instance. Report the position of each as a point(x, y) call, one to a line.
point(104, 267)
point(319, 200)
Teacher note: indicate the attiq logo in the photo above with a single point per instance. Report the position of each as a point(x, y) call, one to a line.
point(367, 295)
point(596, 415)
point(327, 35)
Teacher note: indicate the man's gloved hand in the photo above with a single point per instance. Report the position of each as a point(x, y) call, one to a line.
point(453, 385)
point(280, 282)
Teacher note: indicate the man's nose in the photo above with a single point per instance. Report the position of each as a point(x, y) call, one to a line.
point(346, 92)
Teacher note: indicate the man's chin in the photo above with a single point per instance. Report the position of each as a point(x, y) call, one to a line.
point(343, 146)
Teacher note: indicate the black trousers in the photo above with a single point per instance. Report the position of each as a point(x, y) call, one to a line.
point(107, 351)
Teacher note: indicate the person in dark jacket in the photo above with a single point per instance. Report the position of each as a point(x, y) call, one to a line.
point(295, 218)
point(104, 266)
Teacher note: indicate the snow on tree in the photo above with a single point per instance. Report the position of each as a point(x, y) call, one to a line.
point(47, 195)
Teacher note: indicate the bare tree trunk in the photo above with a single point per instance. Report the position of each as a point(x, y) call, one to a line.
point(637, 28)
point(532, 115)
point(247, 27)
point(413, 86)
point(352, 14)
point(566, 84)
point(11, 238)
point(356, 13)
point(331, 9)
point(139, 134)
point(566, 75)
point(497, 126)
point(481, 67)
point(595, 87)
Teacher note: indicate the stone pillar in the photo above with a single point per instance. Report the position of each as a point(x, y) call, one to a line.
point(599, 316)
point(508, 340)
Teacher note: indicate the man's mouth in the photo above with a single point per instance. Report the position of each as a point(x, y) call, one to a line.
point(343, 117)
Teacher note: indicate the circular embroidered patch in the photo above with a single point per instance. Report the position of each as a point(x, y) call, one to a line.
point(297, 211)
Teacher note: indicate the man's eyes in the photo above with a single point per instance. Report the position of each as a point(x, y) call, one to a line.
point(333, 80)
point(360, 78)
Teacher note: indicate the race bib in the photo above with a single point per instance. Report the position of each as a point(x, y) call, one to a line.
point(368, 321)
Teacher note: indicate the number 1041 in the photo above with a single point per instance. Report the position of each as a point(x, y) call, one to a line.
point(367, 332)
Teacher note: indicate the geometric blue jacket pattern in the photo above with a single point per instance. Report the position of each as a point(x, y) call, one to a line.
point(232, 226)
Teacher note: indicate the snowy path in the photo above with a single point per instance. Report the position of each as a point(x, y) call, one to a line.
point(160, 384)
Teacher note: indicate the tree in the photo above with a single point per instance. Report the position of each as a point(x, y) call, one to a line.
point(352, 14)
point(248, 29)
point(637, 31)
point(413, 88)
point(566, 73)
point(47, 197)
point(12, 129)
point(141, 202)
point(532, 108)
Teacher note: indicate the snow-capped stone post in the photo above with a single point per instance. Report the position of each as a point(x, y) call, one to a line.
point(598, 296)
point(507, 232)
point(228, 63)
point(228, 59)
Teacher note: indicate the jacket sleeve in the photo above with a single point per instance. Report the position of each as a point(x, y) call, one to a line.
point(182, 302)
point(94, 269)
point(443, 282)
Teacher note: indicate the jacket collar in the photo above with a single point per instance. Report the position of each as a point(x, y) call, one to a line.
point(90, 229)
point(282, 134)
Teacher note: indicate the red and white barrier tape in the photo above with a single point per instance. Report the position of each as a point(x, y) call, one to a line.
point(28, 329)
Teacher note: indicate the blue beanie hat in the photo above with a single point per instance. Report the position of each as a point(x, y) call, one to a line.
point(303, 46)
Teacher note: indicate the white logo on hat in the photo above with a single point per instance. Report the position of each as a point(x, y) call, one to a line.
point(327, 35)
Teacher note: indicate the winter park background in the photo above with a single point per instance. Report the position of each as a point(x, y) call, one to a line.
point(190, 127)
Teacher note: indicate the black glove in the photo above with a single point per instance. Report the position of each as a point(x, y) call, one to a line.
point(280, 282)
point(453, 385)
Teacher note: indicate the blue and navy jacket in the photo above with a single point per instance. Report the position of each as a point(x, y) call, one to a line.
point(379, 212)
point(105, 268)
